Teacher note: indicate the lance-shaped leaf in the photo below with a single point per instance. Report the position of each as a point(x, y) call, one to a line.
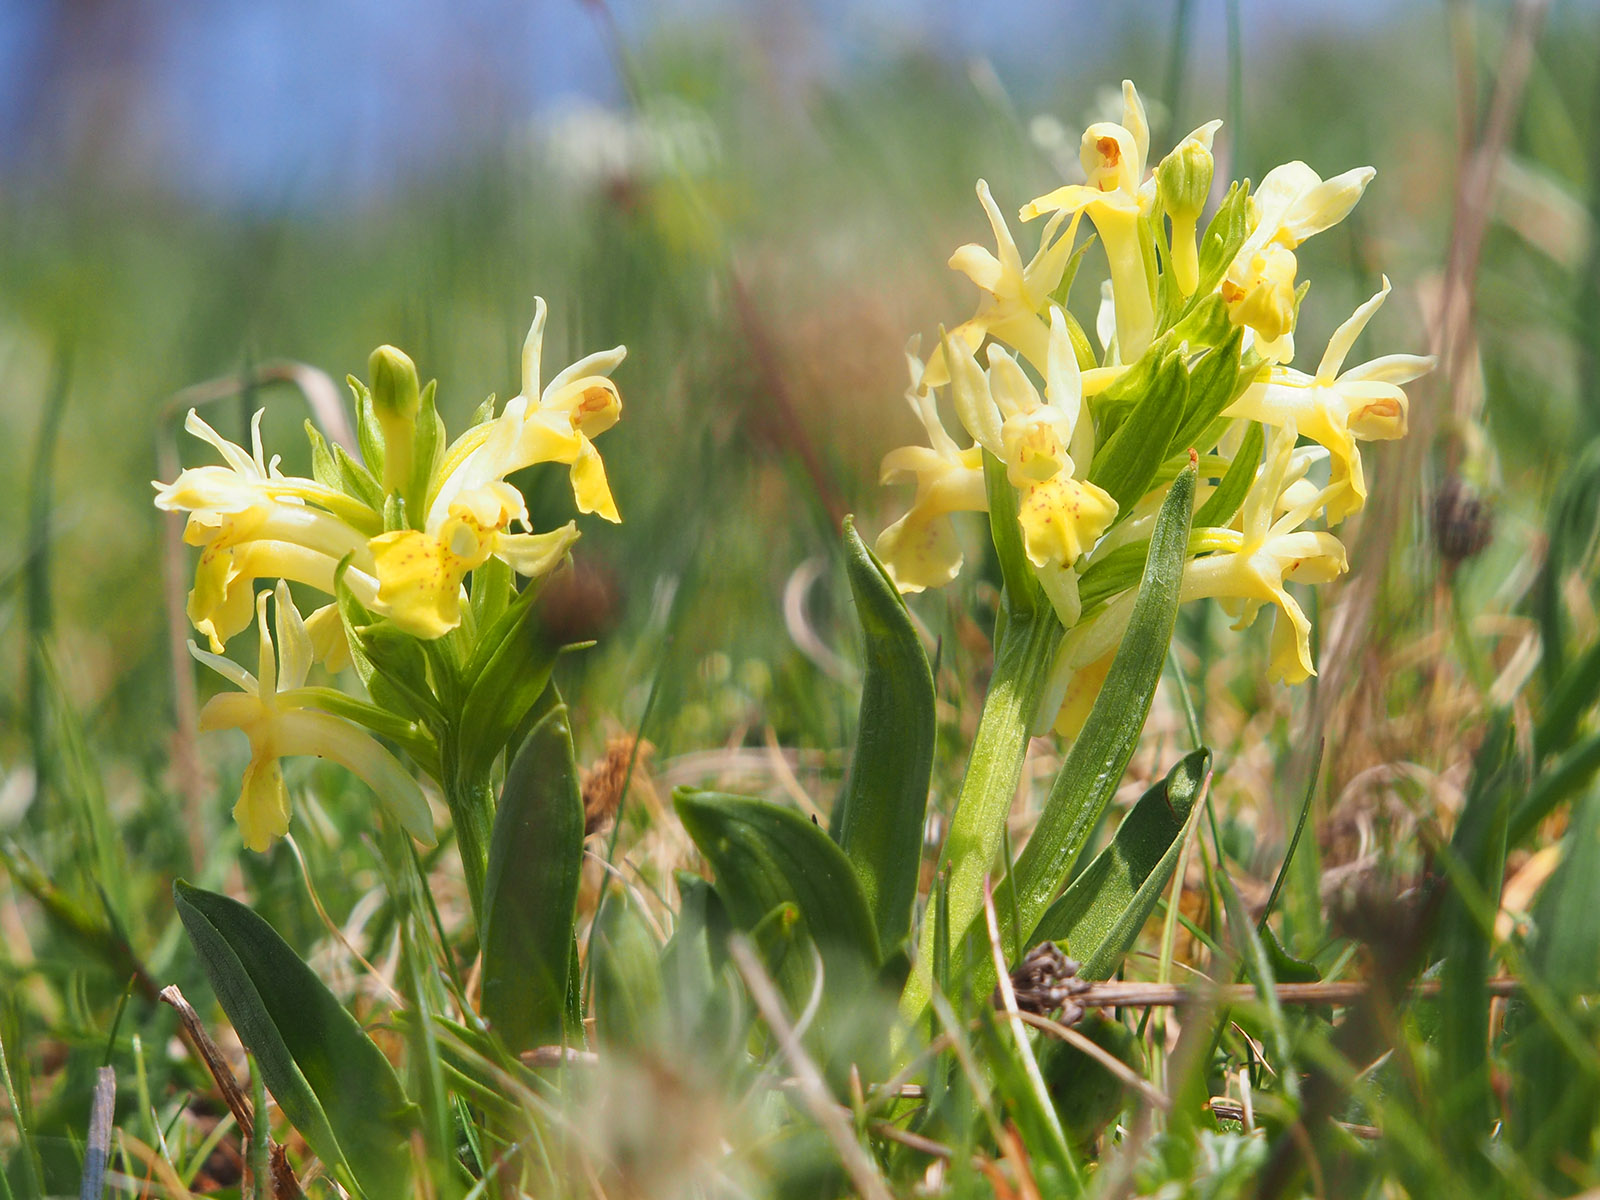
point(1127, 463)
point(768, 858)
point(1094, 766)
point(1555, 1071)
point(507, 673)
point(1099, 916)
point(628, 999)
point(878, 817)
point(530, 892)
point(1220, 506)
point(327, 1075)
point(765, 855)
point(1215, 382)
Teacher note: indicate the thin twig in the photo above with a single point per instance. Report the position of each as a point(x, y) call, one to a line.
point(813, 1091)
point(1170, 995)
point(284, 1185)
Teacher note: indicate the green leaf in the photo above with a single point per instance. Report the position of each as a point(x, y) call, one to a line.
point(369, 432)
point(1557, 1102)
point(493, 589)
point(1100, 915)
point(1574, 531)
point(530, 891)
point(690, 964)
point(1086, 1094)
point(356, 480)
point(403, 664)
point(427, 446)
point(1127, 462)
point(327, 1076)
point(507, 673)
point(1094, 766)
point(1024, 652)
point(1123, 567)
point(1206, 324)
point(1466, 1099)
point(1112, 406)
point(767, 858)
point(1005, 530)
point(1573, 696)
point(1220, 507)
point(1215, 382)
point(1558, 782)
point(323, 469)
point(1223, 236)
point(765, 855)
point(627, 987)
point(391, 684)
point(878, 818)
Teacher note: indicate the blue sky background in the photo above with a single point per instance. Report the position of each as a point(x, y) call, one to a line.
point(285, 102)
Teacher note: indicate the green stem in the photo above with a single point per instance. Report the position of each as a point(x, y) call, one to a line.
point(1023, 658)
point(472, 804)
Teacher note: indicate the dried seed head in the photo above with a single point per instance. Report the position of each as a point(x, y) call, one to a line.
point(1046, 980)
point(1462, 521)
point(603, 782)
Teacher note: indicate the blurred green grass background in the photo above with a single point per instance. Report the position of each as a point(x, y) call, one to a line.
point(763, 223)
point(762, 212)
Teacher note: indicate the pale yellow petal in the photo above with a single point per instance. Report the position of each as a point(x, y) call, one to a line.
point(589, 486)
point(536, 554)
point(920, 550)
point(419, 577)
point(262, 810)
point(1063, 517)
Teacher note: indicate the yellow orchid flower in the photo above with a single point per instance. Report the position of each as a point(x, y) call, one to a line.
point(420, 571)
point(1294, 202)
point(1247, 569)
point(1254, 562)
point(556, 425)
point(1015, 295)
point(1061, 516)
point(1259, 293)
point(1338, 409)
point(252, 522)
point(471, 509)
point(246, 480)
point(578, 405)
point(921, 549)
point(278, 713)
point(1115, 196)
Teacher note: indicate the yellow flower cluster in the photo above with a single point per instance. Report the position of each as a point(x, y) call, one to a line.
point(1196, 333)
point(401, 530)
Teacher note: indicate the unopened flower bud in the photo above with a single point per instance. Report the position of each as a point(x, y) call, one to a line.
point(396, 394)
point(395, 388)
point(1183, 181)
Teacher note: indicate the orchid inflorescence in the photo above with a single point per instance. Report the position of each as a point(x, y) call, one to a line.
point(1196, 335)
point(393, 536)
